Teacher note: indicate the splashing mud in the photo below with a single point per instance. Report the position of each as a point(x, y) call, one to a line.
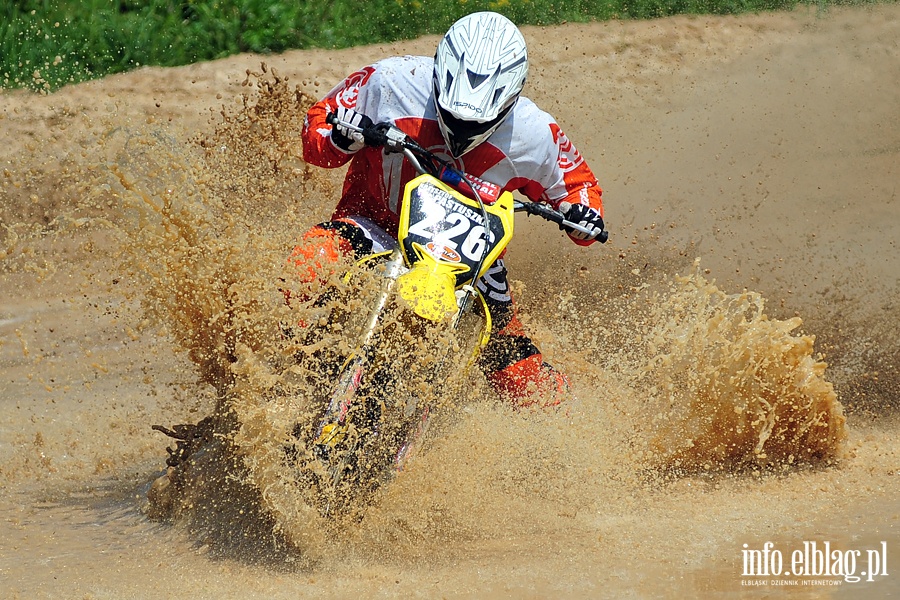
point(701, 419)
point(725, 386)
point(209, 224)
point(214, 266)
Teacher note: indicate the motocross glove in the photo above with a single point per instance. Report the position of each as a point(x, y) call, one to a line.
point(347, 140)
point(583, 215)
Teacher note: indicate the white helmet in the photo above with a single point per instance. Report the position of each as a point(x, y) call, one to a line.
point(479, 70)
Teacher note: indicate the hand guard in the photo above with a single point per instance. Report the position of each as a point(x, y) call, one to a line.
point(583, 215)
point(344, 138)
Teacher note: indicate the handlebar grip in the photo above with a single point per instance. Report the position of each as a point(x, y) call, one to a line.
point(554, 216)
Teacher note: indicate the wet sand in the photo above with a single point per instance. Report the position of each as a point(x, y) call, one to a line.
point(767, 146)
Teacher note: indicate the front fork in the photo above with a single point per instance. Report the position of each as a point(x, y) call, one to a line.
point(332, 428)
point(354, 368)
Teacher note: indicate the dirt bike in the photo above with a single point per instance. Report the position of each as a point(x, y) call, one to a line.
point(453, 226)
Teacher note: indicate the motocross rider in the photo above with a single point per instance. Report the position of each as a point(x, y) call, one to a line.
point(464, 105)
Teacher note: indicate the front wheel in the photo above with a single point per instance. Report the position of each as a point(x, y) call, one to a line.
point(377, 412)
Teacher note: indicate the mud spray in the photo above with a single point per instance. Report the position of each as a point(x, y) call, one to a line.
point(706, 386)
point(708, 382)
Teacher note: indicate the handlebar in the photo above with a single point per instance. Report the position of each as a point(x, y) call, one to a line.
point(425, 162)
point(554, 216)
point(395, 140)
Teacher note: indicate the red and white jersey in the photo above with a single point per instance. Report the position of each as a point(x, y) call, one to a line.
point(528, 152)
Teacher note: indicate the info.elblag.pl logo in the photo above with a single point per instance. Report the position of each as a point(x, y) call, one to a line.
point(812, 563)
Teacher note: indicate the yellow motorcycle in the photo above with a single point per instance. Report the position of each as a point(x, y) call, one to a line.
point(453, 226)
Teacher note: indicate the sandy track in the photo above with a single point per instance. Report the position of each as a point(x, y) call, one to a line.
point(766, 145)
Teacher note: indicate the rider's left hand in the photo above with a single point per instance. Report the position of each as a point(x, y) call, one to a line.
point(584, 216)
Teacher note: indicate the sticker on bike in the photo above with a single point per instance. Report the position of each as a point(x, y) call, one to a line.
point(448, 228)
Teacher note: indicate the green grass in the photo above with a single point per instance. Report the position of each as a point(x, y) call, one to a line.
point(45, 44)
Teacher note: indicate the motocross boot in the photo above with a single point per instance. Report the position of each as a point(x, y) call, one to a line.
point(531, 382)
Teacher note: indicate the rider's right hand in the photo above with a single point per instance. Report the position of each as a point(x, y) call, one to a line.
point(344, 138)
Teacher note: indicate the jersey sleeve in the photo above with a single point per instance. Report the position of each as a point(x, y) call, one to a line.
point(318, 148)
point(564, 175)
point(571, 179)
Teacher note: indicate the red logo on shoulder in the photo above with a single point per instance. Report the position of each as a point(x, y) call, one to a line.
point(348, 95)
point(569, 157)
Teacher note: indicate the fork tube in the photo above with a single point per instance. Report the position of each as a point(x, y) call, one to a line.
point(392, 269)
point(344, 390)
